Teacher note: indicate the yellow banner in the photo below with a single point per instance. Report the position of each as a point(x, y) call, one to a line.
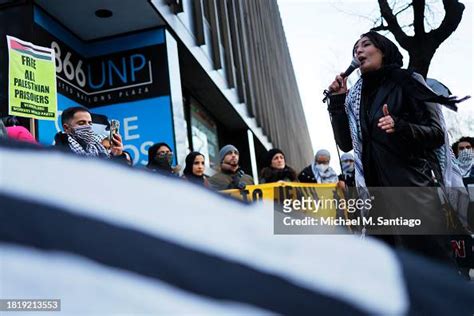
point(318, 200)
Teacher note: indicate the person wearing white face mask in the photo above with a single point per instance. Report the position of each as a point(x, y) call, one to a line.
point(319, 171)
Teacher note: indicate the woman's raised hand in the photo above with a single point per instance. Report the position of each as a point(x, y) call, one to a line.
point(386, 122)
point(339, 85)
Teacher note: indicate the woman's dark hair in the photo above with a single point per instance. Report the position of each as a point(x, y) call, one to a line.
point(153, 150)
point(10, 121)
point(391, 54)
point(127, 154)
point(188, 169)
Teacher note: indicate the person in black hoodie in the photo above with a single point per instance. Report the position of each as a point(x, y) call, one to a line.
point(275, 169)
point(195, 168)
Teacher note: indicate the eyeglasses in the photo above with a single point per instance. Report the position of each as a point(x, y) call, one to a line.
point(161, 153)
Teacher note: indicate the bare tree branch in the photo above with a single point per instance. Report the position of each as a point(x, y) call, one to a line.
point(351, 13)
point(392, 24)
point(422, 45)
point(381, 27)
point(454, 10)
point(404, 9)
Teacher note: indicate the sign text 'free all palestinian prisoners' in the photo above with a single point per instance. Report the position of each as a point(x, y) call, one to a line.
point(32, 80)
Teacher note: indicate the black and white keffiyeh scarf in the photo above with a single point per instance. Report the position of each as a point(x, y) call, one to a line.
point(83, 141)
point(352, 106)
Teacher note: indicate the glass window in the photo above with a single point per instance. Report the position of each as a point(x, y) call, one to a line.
point(204, 135)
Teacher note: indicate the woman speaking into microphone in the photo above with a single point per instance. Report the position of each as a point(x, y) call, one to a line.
point(386, 118)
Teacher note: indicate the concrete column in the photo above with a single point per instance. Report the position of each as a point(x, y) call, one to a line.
point(179, 120)
point(253, 156)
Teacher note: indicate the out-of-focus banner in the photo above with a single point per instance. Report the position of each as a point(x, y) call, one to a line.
point(310, 198)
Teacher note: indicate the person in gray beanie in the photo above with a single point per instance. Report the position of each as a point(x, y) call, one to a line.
point(319, 171)
point(230, 176)
point(225, 150)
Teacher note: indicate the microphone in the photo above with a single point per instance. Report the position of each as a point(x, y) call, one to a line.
point(353, 66)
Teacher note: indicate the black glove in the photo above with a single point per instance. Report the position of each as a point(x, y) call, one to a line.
point(236, 183)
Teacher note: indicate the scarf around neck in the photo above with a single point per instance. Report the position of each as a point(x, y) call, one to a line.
point(328, 176)
point(92, 147)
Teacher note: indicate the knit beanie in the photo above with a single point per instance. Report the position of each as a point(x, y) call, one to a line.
point(269, 156)
point(225, 150)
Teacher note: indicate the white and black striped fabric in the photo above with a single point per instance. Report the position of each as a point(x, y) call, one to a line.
point(108, 240)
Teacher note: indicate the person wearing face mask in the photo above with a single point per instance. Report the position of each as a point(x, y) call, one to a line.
point(79, 137)
point(195, 168)
point(348, 170)
point(160, 159)
point(319, 171)
point(276, 169)
point(464, 152)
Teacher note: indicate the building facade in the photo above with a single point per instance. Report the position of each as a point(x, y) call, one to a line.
point(197, 74)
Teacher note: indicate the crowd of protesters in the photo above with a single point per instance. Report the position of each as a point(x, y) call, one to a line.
point(397, 140)
point(79, 137)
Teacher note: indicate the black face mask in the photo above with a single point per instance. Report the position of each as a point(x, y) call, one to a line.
point(163, 161)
